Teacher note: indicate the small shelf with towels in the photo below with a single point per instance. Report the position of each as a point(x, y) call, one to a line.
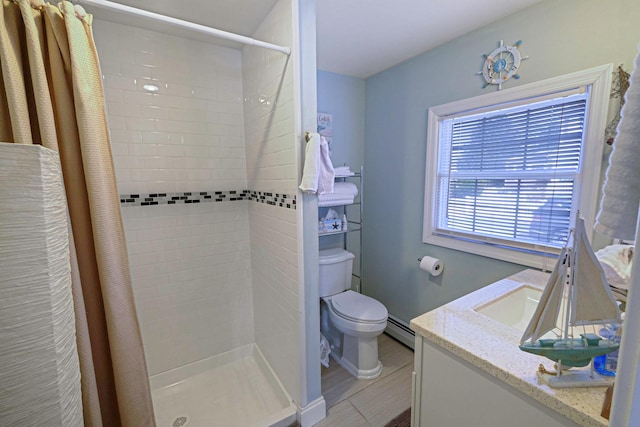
point(348, 202)
point(344, 192)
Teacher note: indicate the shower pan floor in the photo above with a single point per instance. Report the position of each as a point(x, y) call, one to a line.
point(236, 388)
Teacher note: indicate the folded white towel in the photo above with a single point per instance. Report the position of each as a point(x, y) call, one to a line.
point(343, 171)
point(345, 188)
point(335, 199)
point(621, 192)
point(317, 174)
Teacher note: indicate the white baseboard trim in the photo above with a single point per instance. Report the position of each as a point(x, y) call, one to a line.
point(313, 413)
point(400, 331)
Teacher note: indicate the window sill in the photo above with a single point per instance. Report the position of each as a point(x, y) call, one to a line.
point(515, 256)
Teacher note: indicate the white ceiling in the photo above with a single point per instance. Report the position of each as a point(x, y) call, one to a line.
point(363, 37)
point(355, 37)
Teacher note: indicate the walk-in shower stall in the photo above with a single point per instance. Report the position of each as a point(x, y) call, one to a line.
point(206, 144)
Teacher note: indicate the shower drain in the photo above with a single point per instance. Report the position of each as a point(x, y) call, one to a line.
point(180, 421)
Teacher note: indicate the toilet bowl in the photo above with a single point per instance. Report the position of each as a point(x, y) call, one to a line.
point(359, 319)
point(350, 321)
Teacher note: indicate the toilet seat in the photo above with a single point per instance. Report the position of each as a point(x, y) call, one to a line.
point(358, 308)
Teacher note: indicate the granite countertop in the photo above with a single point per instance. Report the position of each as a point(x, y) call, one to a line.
point(493, 347)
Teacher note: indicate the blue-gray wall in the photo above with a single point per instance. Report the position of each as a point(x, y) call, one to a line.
point(559, 36)
point(344, 97)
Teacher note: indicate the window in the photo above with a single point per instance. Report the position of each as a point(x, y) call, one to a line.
point(506, 172)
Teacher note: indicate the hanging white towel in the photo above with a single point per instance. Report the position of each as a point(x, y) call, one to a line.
point(317, 174)
point(621, 192)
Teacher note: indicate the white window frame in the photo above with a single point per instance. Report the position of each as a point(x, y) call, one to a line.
point(587, 185)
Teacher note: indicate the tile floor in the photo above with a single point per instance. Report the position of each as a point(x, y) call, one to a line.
point(369, 403)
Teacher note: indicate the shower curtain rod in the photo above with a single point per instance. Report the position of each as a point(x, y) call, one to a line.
point(184, 24)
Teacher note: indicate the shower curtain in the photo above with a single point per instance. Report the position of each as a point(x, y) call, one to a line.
point(51, 94)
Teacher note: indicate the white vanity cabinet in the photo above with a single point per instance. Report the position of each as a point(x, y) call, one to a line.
point(469, 370)
point(448, 391)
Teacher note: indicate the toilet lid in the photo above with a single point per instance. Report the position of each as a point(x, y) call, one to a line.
point(359, 308)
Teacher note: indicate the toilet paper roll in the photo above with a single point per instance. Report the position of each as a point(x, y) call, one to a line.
point(431, 265)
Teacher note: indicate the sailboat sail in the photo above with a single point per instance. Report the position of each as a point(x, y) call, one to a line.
point(593, 302)
point(590, 302)
point(546, 315)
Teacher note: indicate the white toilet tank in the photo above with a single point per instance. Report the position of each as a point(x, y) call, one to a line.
point(336, 266)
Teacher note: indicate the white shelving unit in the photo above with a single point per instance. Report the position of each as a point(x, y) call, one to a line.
point(353, 212)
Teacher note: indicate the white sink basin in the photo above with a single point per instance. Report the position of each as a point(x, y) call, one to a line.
point(514, 309)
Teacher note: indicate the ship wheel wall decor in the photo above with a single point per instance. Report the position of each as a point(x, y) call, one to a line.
point(501, 64)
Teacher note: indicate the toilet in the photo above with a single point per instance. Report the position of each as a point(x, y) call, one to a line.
point(350, 321)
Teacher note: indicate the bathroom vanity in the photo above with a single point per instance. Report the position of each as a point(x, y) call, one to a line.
point(469, 370)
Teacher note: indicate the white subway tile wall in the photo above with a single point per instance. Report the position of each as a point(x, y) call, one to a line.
point(275, 292)
point(191, 271)
point(269, 107)
point(189, 135)
point(190, 263)
point(268, 80)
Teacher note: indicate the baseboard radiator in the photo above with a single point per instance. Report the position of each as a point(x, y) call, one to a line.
point(400, 330)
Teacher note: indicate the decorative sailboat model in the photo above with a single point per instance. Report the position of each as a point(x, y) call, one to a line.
point(577, 287)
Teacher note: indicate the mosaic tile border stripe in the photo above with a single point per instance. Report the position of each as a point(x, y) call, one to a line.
point(154, 199)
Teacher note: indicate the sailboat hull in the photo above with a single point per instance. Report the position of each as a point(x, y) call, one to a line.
point(571, 352)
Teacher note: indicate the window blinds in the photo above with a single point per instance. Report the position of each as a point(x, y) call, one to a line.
point(508, 176)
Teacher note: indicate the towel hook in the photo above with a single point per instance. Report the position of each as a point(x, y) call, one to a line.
point(307, 136)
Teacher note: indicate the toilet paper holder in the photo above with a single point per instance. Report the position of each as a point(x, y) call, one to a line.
point(432, 265)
